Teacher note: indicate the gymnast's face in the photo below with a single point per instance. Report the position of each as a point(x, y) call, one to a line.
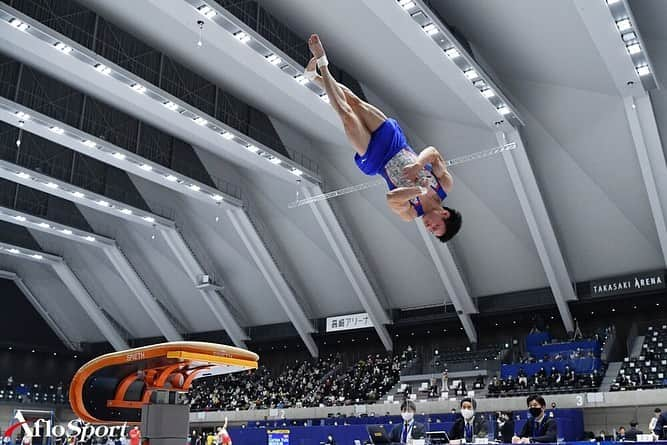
point(434, 221)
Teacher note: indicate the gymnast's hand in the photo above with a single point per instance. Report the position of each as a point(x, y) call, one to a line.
point(411, 171)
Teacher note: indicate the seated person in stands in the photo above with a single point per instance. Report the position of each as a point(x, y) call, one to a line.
point(479, 382)
point(523, 378)
point(468, 426)
point(620, 434)
point(462, 390)
point(509, 384)
point(494, 385)
point(555, 379)
point(505, 429)
point(631, 434)
point(539, 380)
point(569, 376)
point(538, 428)
point(409, 428)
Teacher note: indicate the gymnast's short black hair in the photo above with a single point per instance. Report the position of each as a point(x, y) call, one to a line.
point(452, 224)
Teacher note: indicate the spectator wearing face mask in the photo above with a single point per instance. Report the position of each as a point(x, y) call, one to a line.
point(538, 428)
point(468, 426)
point(505, 429)
point(409, 428)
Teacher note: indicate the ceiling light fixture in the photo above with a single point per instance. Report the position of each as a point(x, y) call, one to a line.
point(407, 4)
point(242, 37)
point(100, 68)
point(634, 48)
point(274, 59)
point(207, 11)
point(471, 74)
point(57, 130)
point(504, 110)
point(139, 88)
point(63, 48)
point(89, 143)
point(452, 53)
point(430, 29)
point(18, 24)
point(200, 121)
point(169, 105)
point(488, 93)
point(623, 25)
point(643, 70)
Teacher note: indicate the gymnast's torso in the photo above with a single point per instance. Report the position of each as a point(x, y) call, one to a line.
point(394, 177)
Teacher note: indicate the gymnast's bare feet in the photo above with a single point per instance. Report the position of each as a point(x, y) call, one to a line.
point(312, 64)
point(315, 46)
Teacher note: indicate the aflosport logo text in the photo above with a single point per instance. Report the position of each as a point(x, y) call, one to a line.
point(75, 428)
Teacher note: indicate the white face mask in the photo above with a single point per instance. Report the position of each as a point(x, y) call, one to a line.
point(467, 413)
point(407, 416)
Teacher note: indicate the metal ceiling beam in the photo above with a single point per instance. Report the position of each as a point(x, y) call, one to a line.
point(600, 20)
point(40, 309)
point(497, 112)
point(452, 279)
point(539, 224)
point(652, 163)
point(355, 273)
point(36, 46)
point(113, 253)
point(39, 124)
point(165, 227)
point(75, 287)
point(277, 282)
point(211, 296)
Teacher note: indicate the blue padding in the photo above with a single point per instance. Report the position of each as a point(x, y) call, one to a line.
point(570, 427)
point(537, 339)
point(580, 366)
point(540, 351)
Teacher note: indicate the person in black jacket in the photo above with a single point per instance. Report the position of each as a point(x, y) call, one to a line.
point(631, 434)
point(660, 429)
point(468, 426)
point(505, 429)
point(538, 428)
point(409, 428)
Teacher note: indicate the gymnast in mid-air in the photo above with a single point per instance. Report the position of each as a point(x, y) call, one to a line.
point(417, 183)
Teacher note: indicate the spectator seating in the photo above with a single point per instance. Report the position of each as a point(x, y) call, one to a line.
point(325, 382)
point(649, 370)
point(56, 394)
point(564, 367)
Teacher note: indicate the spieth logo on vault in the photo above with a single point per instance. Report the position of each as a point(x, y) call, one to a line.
point(76, 428)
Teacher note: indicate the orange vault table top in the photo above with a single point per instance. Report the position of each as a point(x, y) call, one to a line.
point(112, 388)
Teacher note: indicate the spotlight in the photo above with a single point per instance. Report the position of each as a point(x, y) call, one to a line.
point(623, 25)
point(452, 53)
point(102, 69)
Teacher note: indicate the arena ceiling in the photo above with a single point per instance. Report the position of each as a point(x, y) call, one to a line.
point(582, 197)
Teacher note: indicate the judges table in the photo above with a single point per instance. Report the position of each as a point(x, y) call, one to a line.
point(347, 434)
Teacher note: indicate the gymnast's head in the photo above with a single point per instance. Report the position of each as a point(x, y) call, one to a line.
point(444, 223)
